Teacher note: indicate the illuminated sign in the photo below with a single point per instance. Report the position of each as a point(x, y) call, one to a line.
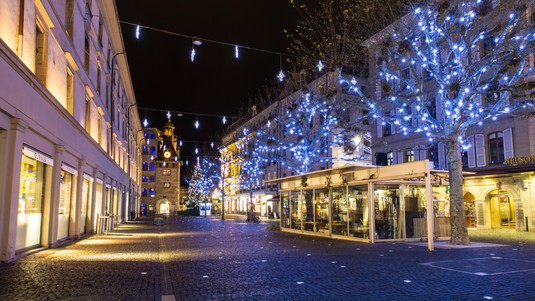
point(520, 160)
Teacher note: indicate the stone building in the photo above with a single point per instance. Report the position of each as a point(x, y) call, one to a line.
point(160, 192)
point(68, 123)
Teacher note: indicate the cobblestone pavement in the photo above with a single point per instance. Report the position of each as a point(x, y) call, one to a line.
point(198, 258)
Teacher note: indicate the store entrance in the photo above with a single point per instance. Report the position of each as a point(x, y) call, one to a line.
point(502, 210)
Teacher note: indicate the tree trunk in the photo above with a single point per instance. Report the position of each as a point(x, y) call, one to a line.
point(459, 234)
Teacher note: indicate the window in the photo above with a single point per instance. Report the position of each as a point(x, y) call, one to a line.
point(86, 53)
point(433, 155)
point(152, 179)
point(496, 149)
point(145, 166)
point(69, 17)
point(21, 28)
point(152, 166)
point(152, 193)
point(145, 150)
point(99, 129)
point(390, 158)
point(387, 128)
point(143, 178)
point(409, 155)
point(166, 184)
point(88, 113)
point(166, 172)
point(153, 150)
point(40, 52)
point(99, 78)
point(143, 192)
point(70, 92)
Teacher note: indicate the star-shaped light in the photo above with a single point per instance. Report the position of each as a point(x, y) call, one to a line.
point(145, 122)
point(281, 76)
point(320, 66)
point(197, 124)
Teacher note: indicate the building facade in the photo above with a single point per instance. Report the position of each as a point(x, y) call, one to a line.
point(68, 123)
point(263, 197)
point(160, 191)
point(500, 170)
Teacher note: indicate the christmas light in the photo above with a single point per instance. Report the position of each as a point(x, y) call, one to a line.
point(236, 52)
point(197, 124)
point(137, 32)
point(281, 76)
point(145, 122)
point(320, 66)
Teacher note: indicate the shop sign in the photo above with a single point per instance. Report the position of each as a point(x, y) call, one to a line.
point(69, 169)
point(520, 160)
point(29, 152)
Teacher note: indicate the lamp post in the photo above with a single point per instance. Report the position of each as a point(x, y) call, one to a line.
point(112, 117)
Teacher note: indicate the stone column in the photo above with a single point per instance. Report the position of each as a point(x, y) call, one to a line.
point(9, 205)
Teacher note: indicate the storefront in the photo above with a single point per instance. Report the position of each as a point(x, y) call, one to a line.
point(367, 203)
point(33, 193)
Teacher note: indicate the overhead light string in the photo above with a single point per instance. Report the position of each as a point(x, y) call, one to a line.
point(198, 41)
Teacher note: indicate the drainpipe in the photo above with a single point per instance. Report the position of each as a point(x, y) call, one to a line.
point(111, 151)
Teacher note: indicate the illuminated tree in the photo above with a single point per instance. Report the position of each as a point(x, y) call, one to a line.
point(302, 137)
point(205, 178)
point(454, 65)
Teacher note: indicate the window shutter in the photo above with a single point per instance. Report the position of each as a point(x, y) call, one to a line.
point(441, 156)
point(379, 127)
point(508, 143)
point(481, 159)
point(400, 157)
point(423, 152)
point(471, 152)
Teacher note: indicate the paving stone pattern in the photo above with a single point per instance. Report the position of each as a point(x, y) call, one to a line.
point(203, 258)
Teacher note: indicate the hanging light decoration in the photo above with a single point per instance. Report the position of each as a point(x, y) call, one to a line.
point(138, 32)
point(320, 66)
point(236, 52)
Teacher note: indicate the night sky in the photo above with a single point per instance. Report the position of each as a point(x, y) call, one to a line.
point(164, 77)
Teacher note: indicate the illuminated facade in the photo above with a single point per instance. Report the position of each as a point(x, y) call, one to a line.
point(263, 197)
point(499, 187)
point(160, 189)
point(68, 123)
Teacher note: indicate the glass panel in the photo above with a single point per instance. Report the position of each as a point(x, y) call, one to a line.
point(388, 223)
point(295, 210)
point(340, 218)
point(30, 203)
point(307, 209)
point(358, 211)
point(285, 214)
point(65, 198)
point(321, 199)
point(86, 196)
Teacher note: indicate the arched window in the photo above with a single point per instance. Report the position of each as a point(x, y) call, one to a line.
point(152, 166)
point(153, 150)
point(143, 191)
point(145, 150)
point(152, 179)
point(143, 178)
point(145, 166)
point(152, 193)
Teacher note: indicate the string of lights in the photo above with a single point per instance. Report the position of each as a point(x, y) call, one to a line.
point(197, 41)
